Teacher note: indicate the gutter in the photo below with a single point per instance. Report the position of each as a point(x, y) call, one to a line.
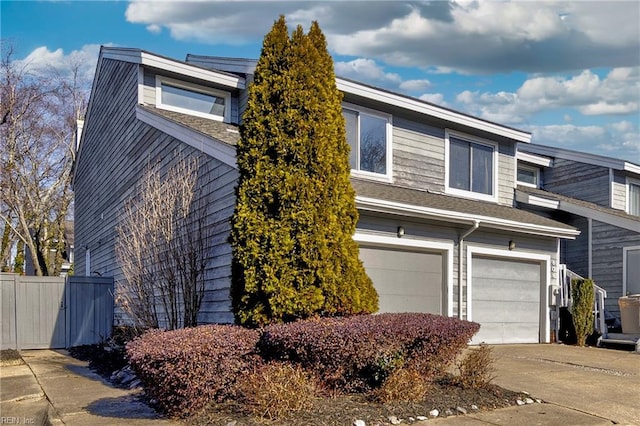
point(476, 225)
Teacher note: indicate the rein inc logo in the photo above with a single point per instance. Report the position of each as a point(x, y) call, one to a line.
point(8, 420)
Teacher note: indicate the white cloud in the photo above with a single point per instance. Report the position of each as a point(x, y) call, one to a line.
point(466, 36)
point(434, 98)
point(619, 140)
point(618, 93)
point(366, 70)
point(154, 29)
point(43, 61)
point(415, 85)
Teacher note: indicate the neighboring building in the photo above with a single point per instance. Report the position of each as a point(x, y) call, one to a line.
point(428, 181)
point(598, 195)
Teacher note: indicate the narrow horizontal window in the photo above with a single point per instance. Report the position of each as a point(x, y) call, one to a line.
point(192, 99)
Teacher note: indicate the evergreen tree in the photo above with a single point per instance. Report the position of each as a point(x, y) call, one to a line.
point(293, 252)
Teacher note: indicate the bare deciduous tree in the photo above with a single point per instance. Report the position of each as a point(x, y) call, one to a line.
point(38, 116)
point(162, 242)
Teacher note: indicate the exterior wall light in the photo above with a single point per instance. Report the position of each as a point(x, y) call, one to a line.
point(400, 231)
point(512, 245)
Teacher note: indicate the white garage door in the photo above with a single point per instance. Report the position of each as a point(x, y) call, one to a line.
point(406, 281)
point(505, 300)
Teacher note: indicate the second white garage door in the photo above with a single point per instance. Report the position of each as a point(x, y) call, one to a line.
point(406, 281)
point(505, 300)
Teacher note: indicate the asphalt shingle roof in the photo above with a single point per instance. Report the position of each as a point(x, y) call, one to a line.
point(224, 132)
point(558, 197)
point(419, 198)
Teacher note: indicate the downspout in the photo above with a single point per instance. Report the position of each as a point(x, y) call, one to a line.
point(476, 224)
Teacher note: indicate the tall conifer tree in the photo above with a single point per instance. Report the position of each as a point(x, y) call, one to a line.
point(295, 216)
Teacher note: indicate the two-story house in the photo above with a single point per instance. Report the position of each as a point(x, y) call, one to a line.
point(598, 195)
point(438, 230)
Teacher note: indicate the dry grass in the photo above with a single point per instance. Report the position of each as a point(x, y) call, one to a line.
point(276, 390)
point(404, 384)
point(476, 368)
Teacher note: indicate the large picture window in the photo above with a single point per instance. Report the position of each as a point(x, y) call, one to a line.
point(368, 136)
point(471, 167)
point(192, 99)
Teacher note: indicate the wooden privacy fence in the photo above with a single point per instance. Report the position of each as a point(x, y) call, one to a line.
point(54, 312)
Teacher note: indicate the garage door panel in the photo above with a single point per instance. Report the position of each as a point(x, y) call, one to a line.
point(406, 281)
point(487, 289)
point(403, 303)
point(505, 300)
point(506, 269)
point(497, 333)
point(504, 311)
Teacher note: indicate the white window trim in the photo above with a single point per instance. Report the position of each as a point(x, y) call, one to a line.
point(444, 248)
point(545, 324)
point(197, 88)
point(387, 177)
point(629, 182)
point(625, 251)
point(534, 169)
point(472, 139)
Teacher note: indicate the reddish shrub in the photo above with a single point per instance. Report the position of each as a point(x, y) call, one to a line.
point(358, 353)
point(185, 369)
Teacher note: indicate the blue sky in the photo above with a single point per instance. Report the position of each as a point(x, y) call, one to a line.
point(569, 72)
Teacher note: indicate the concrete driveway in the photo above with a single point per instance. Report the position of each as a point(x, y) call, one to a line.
point(603, 383)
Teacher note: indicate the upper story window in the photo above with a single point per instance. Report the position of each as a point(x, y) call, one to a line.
point(471, 166)
point(369, 135)
point(634, 197)
point(528, 175)
point(192, 99)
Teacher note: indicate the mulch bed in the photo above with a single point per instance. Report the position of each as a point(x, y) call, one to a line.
point(329, 411)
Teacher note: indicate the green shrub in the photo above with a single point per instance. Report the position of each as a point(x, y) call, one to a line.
point(358, 353)
point(476, 368)
point(582, 297)
point(275, 390)
point(295, 214)
point(185, 369)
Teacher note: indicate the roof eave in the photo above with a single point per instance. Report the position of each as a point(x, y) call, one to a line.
point(416, 105)
point(392, 207)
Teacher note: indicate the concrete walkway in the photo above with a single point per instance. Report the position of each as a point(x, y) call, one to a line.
point(54, 388)
point(580, 386)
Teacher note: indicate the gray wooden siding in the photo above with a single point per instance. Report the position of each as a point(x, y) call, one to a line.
point(575, 253)
point(387, 225)
point(115, 151)
point(506, 173)
point(619, 191)
point(418, 155)
point(607, 246)
point(243, 97)
point(419, 159)
point(579, 180)
point(149, 89)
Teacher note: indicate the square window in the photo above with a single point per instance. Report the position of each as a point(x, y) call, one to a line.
point(367, 134)
point(471, 167)
point(528, 175)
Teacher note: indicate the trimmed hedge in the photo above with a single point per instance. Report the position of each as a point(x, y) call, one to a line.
point(185, 369)
point(358, 353)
